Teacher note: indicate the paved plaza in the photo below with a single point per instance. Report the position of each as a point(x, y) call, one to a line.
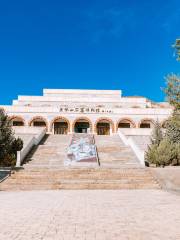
point(90, 214)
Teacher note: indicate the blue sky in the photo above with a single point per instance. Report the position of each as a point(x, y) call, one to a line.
point(97, 44)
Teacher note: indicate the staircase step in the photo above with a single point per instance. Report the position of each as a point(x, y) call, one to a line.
point(45, 170)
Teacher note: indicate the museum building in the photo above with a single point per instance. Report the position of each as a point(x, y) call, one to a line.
point(102, 112)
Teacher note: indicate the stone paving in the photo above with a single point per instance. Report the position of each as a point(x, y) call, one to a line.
point(89, 215)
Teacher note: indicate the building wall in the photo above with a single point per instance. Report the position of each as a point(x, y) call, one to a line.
point(135, 117)
point(93, 105)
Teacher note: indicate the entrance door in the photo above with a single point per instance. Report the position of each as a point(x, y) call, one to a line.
point(81, 127)
point(103, 129)
point(60, 128)
point(39, 124)
point(18, 123)
point(145, 125)
point(124, 125)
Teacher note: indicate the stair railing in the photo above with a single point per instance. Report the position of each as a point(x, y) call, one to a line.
point(130, 142)
point(27, 148)
point(97, 156)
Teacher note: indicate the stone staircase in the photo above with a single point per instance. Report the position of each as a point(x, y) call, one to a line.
point(80, 179)
point(113, 153)
point(49, 154)
point(44, 169)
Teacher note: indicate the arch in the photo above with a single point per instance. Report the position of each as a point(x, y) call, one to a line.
point(126, 120)
point(81, 119)
point(40, 120)
point(60, 119)
point(104, 120)
point(17, 120)
point(146, 123)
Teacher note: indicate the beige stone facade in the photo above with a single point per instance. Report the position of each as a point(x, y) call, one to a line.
point(95, 111)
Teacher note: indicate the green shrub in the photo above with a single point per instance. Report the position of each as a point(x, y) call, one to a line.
point(8, 161)
point(176, 160)
point(17, 145)
point(151, 154)
point(166, 153)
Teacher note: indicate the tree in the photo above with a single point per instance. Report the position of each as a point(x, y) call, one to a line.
point(172, 91)
point(177, 47)
point(6, 135)
point(166, 150)
point(157, 134)
point(173, 128)
point(151, 155)
point(166, 153)
point(9, 145)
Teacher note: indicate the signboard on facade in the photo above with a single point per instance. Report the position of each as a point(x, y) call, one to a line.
point(84, 110)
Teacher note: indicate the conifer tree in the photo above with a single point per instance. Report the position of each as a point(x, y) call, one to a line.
point(157, 134)
point(165, 150)
point(9, 145)
point(151, 155)
point(6, 135)
point(173, 128)
point(172, 91)
point(177, 48)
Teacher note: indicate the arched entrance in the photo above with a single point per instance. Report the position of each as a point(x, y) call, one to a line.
point(38, 122)
point(60, 125)
point(146, 123)
point(82, 125)
point(126, 123)
point(104, 127)
point(17, 121)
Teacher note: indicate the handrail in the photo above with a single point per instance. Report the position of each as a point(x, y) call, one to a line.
point(22, 154)
point(139, 153)
point(130, 142)
point(97, 155)
point(33, 141)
